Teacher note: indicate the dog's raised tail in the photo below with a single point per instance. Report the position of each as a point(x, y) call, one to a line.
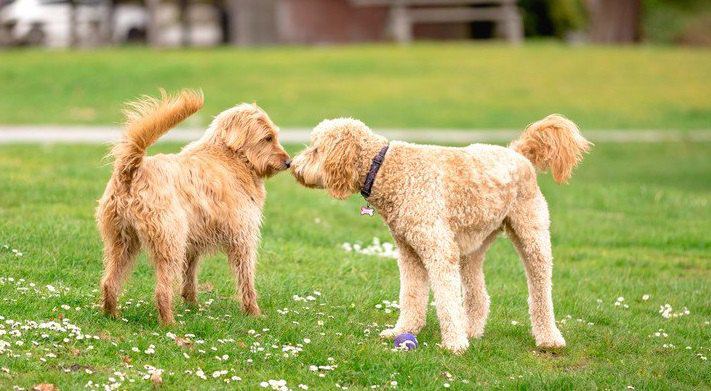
point(553, 143)
point(146, 120)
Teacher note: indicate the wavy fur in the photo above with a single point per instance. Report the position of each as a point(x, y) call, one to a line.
point(553, 143)
point(146, 120)
point(180, 206)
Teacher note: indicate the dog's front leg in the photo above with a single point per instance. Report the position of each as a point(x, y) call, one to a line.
point(414, 292)
point(242, 257)
point(440, 255)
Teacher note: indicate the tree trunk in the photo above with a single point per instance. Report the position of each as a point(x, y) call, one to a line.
point(153, 29)
point(73, 28)
point(108, 37)
point(614, 21)
point(184, 8)
point(224, 10)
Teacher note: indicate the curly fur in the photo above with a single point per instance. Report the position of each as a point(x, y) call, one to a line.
point(207, 197)
point(444, 207)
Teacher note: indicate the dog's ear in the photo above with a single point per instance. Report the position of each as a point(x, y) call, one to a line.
point(339, 167)
point(237, 127)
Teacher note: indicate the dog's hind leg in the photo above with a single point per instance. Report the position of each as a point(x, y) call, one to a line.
point(190, 274)
point(528, 228)
point(476, 299)
point(166, 241)
point(168, 261)
point(242, 258)
point(414, 292)
point(120, 250)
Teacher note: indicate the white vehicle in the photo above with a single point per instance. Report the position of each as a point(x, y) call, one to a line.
point(47, 22)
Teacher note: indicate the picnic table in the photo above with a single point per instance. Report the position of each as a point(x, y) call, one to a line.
point(404, 14)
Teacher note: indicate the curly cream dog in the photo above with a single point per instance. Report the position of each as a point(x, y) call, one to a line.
point(445, 206)
point(179, 206)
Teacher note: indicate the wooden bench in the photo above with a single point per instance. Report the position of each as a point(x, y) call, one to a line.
point(405, 13)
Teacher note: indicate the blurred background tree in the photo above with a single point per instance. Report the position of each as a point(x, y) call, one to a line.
point(677, 21)
point(657, 21)
point(265, 22)
point(614, 21)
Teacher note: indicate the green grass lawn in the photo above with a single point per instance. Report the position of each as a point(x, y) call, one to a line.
point(460, 85)
point(635, 221)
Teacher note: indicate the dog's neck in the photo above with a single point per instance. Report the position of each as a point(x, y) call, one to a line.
point(370, 149)
point(234, 159)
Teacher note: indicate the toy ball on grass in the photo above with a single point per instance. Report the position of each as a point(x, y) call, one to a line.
point(406, 341)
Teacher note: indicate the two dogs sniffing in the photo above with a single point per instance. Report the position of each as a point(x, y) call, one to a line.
point(444, 207)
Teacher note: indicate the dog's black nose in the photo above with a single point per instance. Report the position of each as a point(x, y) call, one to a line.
point(287, 163)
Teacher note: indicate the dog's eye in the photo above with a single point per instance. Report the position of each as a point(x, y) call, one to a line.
point(269, 139)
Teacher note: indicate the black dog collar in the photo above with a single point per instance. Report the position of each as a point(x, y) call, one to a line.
point(374, 167)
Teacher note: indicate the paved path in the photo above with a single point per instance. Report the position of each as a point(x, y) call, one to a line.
point(106, 134)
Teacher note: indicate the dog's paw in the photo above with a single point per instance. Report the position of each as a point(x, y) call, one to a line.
point(252, 309)
point(110, 310)
point(167, 321)
point(113, 314)
point(551, 339)
point(475, 331)
point(190, 298)
point(390, 333)
point(458, 346)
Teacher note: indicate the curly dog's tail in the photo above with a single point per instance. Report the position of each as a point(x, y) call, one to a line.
point(146, 120)
point(553, 143)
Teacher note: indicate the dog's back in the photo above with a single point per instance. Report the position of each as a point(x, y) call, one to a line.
point(207, 193)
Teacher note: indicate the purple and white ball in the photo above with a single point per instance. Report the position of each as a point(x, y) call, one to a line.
point(406, 341)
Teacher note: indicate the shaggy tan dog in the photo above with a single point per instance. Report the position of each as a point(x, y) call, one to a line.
point(444, 207)
point(179, 206)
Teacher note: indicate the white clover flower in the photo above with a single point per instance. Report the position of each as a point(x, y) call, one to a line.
point(217, 374)
point(376, 248)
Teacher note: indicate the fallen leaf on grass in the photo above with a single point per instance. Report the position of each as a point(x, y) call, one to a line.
point(156, 379)
point(77, 367)
point(104, 336)
point(183, 342)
